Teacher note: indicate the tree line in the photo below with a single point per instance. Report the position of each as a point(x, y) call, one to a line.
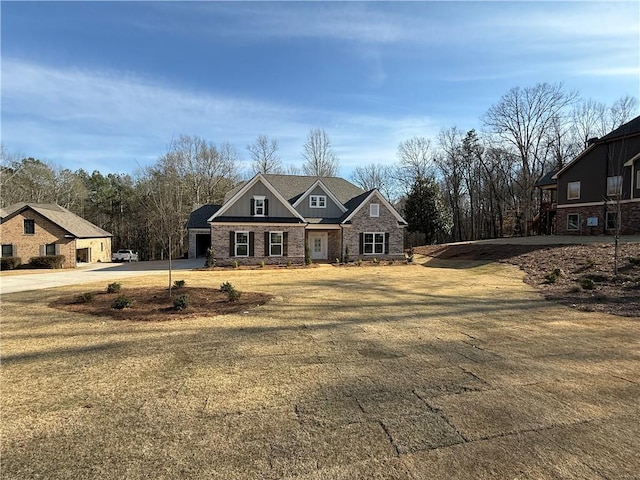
point(457, 186)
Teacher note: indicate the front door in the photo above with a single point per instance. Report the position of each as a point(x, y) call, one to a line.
point(318, 245)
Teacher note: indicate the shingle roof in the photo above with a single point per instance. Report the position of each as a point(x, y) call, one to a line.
point(547, 179)
point(69, 221)
point(292, 186)
point(200, 215)
point(629, 128)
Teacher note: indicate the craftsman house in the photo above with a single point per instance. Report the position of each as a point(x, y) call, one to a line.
point(598, 188)
point(272, 218)
point(34, 229)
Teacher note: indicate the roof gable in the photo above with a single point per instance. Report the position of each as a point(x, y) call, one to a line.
point(65, 219)
point(239, 193)
point(364, 199)
point(319, 184)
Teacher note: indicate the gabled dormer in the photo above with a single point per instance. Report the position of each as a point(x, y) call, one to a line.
point(319, 202)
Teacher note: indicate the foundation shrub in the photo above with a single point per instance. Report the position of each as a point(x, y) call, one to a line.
point(10, 263)
point(47, 261)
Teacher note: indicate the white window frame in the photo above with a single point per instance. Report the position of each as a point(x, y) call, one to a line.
point(374, 210)
point(573, 184)
point(261, 207)
point(614, 185)
point(577, 222)
point(615, 220)
point(238, 243)
point(373, 243)
point(317, 201)
point(638, 179)
point(276, 244)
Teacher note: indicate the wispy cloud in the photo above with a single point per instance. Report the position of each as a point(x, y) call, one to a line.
point(114, 121)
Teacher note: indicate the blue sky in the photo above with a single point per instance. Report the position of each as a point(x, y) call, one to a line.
point(107, 85)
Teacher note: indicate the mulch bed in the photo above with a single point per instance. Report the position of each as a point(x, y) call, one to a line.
point(153, 304)
point(565, 273)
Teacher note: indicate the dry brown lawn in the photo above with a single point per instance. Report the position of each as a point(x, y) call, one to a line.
point(399, 372)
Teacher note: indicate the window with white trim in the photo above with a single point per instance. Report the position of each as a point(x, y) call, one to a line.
point(242, 244)
point(374, 210)
point(275, 244)
point(50, 249)
point(614, 186)
point(7, 250)
point(573, 221)
point(258, 208)
point(373, 243)
point(317, 201)
point(611, 220)
point(573, 190)
point(638, 179)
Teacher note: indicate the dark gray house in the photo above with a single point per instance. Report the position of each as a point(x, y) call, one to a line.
point(600, 188)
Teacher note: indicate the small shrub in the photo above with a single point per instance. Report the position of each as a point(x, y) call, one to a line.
point(235, 264)
point(122, 302)
point(575, 289)
point(635, 261)
point(288, 263)
point(210, 258)
point(181, 302)
point(551, 277)
point(337, 261)
point(86, 297)
point(225, 287)
point(179, 284)
point(587, 283)
point(590, 262)
point(233, 295)
point(47, 261)
point(346, 253)
point(359, 262)
point(261, 263)
point(375, 260)
point(113, 287)
point(10, 263)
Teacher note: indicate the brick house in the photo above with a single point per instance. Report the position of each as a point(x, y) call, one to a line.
point(600, 187)
point(271, 218)
point(31, 229)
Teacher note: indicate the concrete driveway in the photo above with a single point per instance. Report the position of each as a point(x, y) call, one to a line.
point(89, 273)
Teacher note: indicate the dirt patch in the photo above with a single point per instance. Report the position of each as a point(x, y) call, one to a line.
point(577, 275)
point(153, 304)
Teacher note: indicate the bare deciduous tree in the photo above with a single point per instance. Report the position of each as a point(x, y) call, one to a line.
point(374, 175)
point(522, 119)
point(319, 158)
point(415, 161)
point(264, 155)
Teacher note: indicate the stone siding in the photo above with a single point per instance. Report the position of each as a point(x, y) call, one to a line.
point(46, 232)
point(220, 243)
point(386, 222)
